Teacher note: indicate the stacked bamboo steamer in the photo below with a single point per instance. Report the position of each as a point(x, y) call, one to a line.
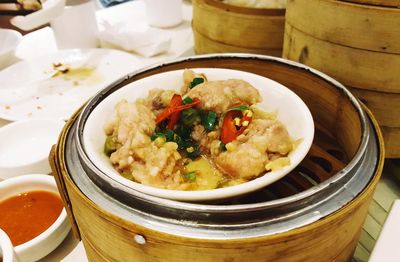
point(358, 43)
point(223, 28)
point(321, 204)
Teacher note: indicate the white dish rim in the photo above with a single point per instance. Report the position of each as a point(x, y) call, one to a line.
point(205, 195)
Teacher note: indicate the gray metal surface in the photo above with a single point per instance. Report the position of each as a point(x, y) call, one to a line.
point(224, 221)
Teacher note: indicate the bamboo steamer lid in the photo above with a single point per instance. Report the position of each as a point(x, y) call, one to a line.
point(299, 218)
point(221, 28)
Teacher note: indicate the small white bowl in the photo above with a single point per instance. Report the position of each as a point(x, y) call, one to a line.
point(290, 109)
point(9, 40)
point(7, 252)
point(25, 146)
point(52, 237)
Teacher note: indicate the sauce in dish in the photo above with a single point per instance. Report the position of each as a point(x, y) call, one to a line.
point(27, 215)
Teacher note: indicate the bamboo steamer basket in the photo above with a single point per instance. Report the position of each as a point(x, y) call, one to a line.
point(223, 28)
point(320, 205)
point(391, 137)
point(357, 44)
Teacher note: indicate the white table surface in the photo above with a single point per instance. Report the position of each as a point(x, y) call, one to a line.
point(42, 42)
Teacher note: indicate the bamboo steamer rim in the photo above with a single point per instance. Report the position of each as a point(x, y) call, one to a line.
point(63, 177)
point(242, 10)
point(321, 54)
point(62, 169)
point(388, 3)
point(220, 29)
point(350, 29)
point(235, 208)
point(204, 45)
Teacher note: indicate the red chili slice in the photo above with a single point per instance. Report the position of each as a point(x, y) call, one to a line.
point(175, 101)
point(175, 106)
point(229, 132)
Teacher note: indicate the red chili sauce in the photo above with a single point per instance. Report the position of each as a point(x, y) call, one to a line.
point(27, 215)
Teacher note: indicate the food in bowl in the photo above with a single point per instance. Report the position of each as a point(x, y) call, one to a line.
point(28, 214)
point(210, 134)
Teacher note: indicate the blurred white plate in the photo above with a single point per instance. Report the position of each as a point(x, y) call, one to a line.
point(32, 88)
point(290, 109)
point(25, 146)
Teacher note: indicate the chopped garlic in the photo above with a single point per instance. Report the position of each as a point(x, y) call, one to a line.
point(236, 121)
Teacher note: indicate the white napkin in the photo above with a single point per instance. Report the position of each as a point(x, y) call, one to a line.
point(142, 39)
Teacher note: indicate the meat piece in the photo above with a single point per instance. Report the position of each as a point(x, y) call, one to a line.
point(208, 142)
point(247, 156)
point(188, 76)
point(155, 164)
point(159, 98)
point(246, 162)
point(133, 121)
point(218, 96)
point(269, 135)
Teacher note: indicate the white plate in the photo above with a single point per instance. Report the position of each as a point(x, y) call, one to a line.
point(290, 109)
point(25, 146)
point(29, 88)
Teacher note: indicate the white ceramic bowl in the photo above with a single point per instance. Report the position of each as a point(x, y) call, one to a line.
point(46, 242)
point(25, 146)
point(9, 40)
point(7, 252)
point(290, 109)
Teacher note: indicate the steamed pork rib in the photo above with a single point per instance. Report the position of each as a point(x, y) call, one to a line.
point(137, 158)
point(248, 155)
point(209, 135)
point(218, 96)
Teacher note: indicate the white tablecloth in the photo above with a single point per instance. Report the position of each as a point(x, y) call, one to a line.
point(42, 42)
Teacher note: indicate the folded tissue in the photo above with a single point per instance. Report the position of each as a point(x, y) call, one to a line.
point(141, 39)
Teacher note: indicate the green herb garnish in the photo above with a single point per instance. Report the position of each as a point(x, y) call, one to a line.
point(189, 117)
point(222, 146)
point(191, 176)
point(208, 120)
point(196, 81)
point(187, 100)
point(109, 146)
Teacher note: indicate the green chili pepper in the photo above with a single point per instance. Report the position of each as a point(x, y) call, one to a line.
point(209, 121)
point(196, 81)
point(109, 146)
point(127, 175)
point(189, 116)
point(156, 135)
point(194, 150)
point(187, 100)
point(169, 135)
point(184, 131)
point(181, 143)
point(222, 146)
point(191, 176)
